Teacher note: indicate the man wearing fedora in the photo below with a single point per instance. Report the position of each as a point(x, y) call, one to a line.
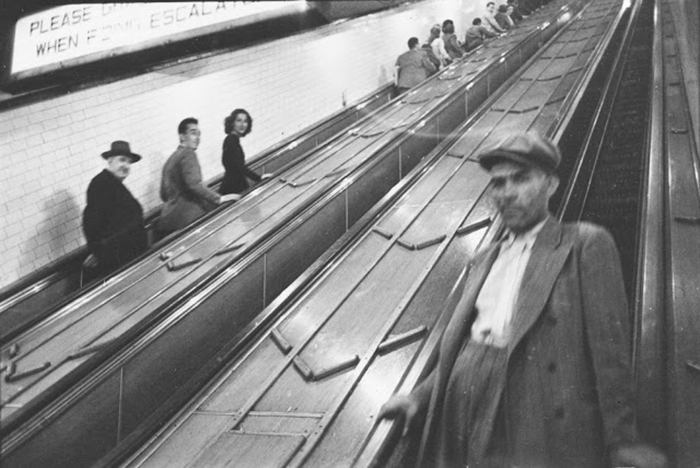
point(533, 369)
point(113, 218)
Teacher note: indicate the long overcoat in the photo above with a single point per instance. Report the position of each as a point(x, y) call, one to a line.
point(185, 198)
point(113, 222)
point(567, 396)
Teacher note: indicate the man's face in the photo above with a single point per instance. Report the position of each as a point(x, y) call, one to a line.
point(490, 7)
point(190, 139)
point(521, 194)
point(119, 166)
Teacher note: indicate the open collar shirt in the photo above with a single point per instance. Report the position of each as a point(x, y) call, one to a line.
point(499, 293)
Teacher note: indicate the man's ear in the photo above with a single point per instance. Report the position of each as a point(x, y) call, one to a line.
point(553, 184)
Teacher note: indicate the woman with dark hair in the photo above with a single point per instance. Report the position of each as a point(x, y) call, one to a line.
point(236, 125)
point(452, 45)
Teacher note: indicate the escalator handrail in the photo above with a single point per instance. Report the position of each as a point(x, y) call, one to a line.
point(601, 114)
point(648, 357)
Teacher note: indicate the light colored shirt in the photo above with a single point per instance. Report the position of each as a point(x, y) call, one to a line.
point(499, 293)
point(490, 23)
point(438, 46)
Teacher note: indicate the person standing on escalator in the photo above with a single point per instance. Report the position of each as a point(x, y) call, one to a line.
point(185, 197)
point(236, 126)
point(113, 218)
point(533, 368)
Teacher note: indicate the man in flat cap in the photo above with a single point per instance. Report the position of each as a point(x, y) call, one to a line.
point(113, 218)
point(533, 369)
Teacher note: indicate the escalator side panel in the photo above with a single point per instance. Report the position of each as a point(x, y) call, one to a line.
point(96, 418)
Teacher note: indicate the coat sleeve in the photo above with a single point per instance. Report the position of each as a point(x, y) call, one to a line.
point(233, 160)
point(192, 177)
point(486, 33)
point(427, 64)
point(95, 217)
point(494, 24)
point(606, 324)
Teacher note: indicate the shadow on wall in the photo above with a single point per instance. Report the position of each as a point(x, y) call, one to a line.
point(56, 235)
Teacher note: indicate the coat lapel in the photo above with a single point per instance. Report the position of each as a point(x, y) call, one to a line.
point(549, 253)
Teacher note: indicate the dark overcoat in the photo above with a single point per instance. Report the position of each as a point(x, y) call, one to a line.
point(113, 222)
point(185, 198)
point(567, 397)
point(237, 173)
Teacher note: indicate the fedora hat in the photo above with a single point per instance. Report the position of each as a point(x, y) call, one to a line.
point(528, 149)
point(121, 148)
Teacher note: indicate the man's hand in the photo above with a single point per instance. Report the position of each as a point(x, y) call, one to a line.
point(265, 176)
point(639, 456)
point(229, 197)
point(400, 406)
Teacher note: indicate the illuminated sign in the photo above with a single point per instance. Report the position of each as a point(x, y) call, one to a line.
point(64, 35)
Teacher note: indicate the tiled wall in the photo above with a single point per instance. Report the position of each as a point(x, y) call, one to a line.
point(50, 150)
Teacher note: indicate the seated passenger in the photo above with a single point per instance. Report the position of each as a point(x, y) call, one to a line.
point(185, 197)
point(236, 126)
point(413, 66)
point(514, 12)
point(476, 35)
point(452, 45)
point(434, 51)
point(489, 21)
point(113, 218)
point(428, 50)
point(438, 45)
point(503, 19)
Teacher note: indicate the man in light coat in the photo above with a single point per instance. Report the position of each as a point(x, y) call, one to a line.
point(533, 369)
point(413, 67)
point(185, 197)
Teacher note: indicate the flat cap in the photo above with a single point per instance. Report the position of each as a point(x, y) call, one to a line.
point(528, 149)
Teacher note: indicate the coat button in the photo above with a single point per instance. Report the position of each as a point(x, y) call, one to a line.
point(552, 367)
point(559, 412)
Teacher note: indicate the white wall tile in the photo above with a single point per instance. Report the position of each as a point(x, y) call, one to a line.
point(286, 85)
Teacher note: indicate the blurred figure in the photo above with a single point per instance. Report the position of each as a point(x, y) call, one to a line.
point(452, 45)
point(476, 35)
point(413, 67)
point(438, 45)
point(515, 13)
point(533, 369)
point(489, 21)
point(113, 218)
point(235, 181)
point(428, 49)
point(503, 19)
point(185, 197)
